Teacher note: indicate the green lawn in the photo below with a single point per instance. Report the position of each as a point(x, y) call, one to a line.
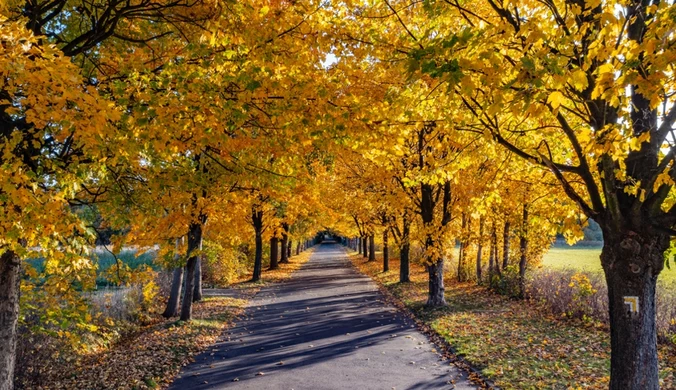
point(586, 259)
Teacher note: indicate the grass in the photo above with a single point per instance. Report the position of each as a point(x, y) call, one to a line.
point(587, 260)
point(513, 343)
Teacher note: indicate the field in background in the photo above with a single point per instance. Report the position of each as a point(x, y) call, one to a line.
point(587, 259)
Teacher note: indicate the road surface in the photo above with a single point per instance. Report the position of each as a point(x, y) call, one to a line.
point(328, 327)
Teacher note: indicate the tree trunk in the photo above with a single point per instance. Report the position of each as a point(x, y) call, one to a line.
point(285, 244)
point(463, 275)
point(197, 295)
point(505, 245)
point(257, 219)
point(386, 255)
point(479, 249)
point(631, 263)
point(436, 297)
point(174, 294)
point(404, 250)
point(288, 249)
point(494, 251)
point(359, 244)
point(274, 255)
point(364, 244)
point(298, 248)
point(194, 244)
point(372, 247)
point(523, 245)
point(10, 279)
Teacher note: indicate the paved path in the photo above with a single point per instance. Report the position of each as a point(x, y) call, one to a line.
point(326, 328)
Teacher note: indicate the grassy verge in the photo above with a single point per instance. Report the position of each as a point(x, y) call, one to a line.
point(513, 343)
point(150, 357)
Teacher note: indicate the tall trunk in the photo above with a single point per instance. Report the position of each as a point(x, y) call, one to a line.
point(404, 250)
point(386, 254)
point(285, 244)
point(364, 244)
point(463, 274)
point(298, 248)
point(479, 249)
point(274, 253)
point(288, 249)
point(491, 256)
point(359, 244)
point(257, 218)
point(10, 279)
point(435, 263)
point(523, 245)
point(197, 295)
point(372, 247)
point(435, 272)
point(632, 262)
point(505, 245)
point(194, 244)
point(494, 244)
point(175, 294)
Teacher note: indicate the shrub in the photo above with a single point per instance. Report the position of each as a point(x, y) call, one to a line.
point(584, 296)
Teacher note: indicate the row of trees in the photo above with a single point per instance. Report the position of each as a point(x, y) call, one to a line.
point(429, 121)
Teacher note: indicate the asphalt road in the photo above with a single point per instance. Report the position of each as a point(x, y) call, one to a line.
point(328, 327)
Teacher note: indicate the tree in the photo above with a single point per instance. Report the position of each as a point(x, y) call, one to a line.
point(598, 112)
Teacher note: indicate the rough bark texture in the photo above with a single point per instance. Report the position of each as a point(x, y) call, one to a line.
point(10, 277)
point(505, 245)
point(479, 250)
point(463, 274)
point(174, 301)
point(435, 263)
point(632, 262)
point(404, 250)
point(197, 295)
point(257, 219)
point(386, 254)
point(285, 244)
point(194, 244)
point(523, 245)
point(274, 253)
point(436, 284)
point(364, 244)
point(372, 247)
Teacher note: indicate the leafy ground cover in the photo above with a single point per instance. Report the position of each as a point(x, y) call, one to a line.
point(152, 356)
point(513, 343)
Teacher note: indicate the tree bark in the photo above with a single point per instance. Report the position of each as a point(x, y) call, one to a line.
point(288, 249)
point(404, 250)
point(364, 244)
point(10, 279)
point(194, 244)
point(257, 218)
point(463, 275)
point(632, 262)
point(274, 253)
point(298, 248)
point(523, 246)
point(197, 295)
point(435, 272)
point(386, 254)
point(175, 294)
point(285, 244)
point(372, 247)
point(479, 249)
point(505, 245)
point(359, 244)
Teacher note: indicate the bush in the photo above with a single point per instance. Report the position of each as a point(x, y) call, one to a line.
point(584, 296)
point(508, 282)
